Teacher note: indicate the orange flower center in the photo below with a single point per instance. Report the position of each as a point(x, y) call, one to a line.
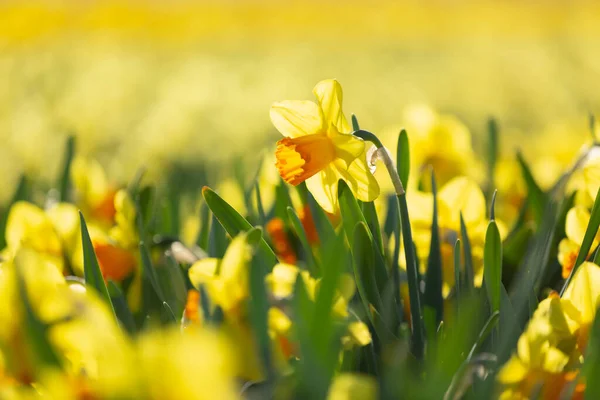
point(300, 158)
point(115, 263)
point(569, 264)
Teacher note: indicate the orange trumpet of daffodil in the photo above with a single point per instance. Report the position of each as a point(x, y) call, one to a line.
point(319, 149)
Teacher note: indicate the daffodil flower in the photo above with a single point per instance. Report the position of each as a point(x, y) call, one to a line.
point(576, 224)
point(550, 350)
point(459, 195)
point(319, 149)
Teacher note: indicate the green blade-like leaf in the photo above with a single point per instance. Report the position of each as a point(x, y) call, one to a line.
point(259, 302)
point(492, 265)
point(588, 239)
point(370, 214)
point(492, 153)
point(433, 297)
point(535, 196)
point(121, 308)
point(233, 222)
point(64, 181)
point(313, 264)
point(403, 158)
point(591, 365)
point(91, 269)
point(364, 266)
point(351, 216)
point(418, 333)
point(469, 271)
point(217, 239)
point(457, 273)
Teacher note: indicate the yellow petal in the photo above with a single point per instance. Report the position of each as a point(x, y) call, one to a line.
point(347, 147)
point(279, 322)
point(234, 264)
point(591, 176)
point(203, 271)
point(584, 291)
point(576, 223)
point(295, 118)
point(329, 95)
point(514, 371)
point(360, 334)
point(281, 280)
point(360, 179)
point(350, 386)
point(324, 186)
point(461, 194)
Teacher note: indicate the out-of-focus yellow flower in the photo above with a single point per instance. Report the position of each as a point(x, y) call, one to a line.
point(437, 140)
point(226, 279)
point(95, 195)
point(576, 223)
point(460, 194)
point(550, 350)
point(318, 148)
point(229, 189)
point(196, 364)
point(281, 283)
point(348, 386)
point(29, 226)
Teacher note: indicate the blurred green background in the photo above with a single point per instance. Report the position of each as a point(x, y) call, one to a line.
point(185, 83)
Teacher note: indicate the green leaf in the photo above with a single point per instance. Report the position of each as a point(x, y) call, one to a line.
point(433, 279)
point(233, 222)
point(588, 239)
point(591, 364)
point(364, 266)
point(121, 308)
point(91, 269)
point(469, 272)
point(492, 153)
point(418, 334)
point(148, 271)
point(403, 158)
point(313, 264)
point(351, 216)
point(147, 204)
point(370, 214)
point(322, 328)
point(457, 273)
point(536, 197)
point(492, 265)
point(217, 241)
point(355, 125)
point(485, 332)
point(64, 181)
point(173, 284)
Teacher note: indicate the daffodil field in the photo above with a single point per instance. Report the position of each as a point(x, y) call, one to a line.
point(158, 241)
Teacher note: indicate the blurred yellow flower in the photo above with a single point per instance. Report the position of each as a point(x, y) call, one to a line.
point(460, 194)
point(576, 223)
point(94, 193)
point(196, 364)
point(349, 386)
point(550, 350)
point(319, 149)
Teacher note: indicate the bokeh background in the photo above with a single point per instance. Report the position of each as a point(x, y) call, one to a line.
point(184, 84)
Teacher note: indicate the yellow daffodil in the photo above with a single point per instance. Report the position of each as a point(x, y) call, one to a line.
point(282, 279)
point(319, 149)
point(196, 364)
point(348, 386)
point(226, 280)
point(29, 226)
point(550, 350)
point(576, 223)
point(460, 194)
point(94, 193)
